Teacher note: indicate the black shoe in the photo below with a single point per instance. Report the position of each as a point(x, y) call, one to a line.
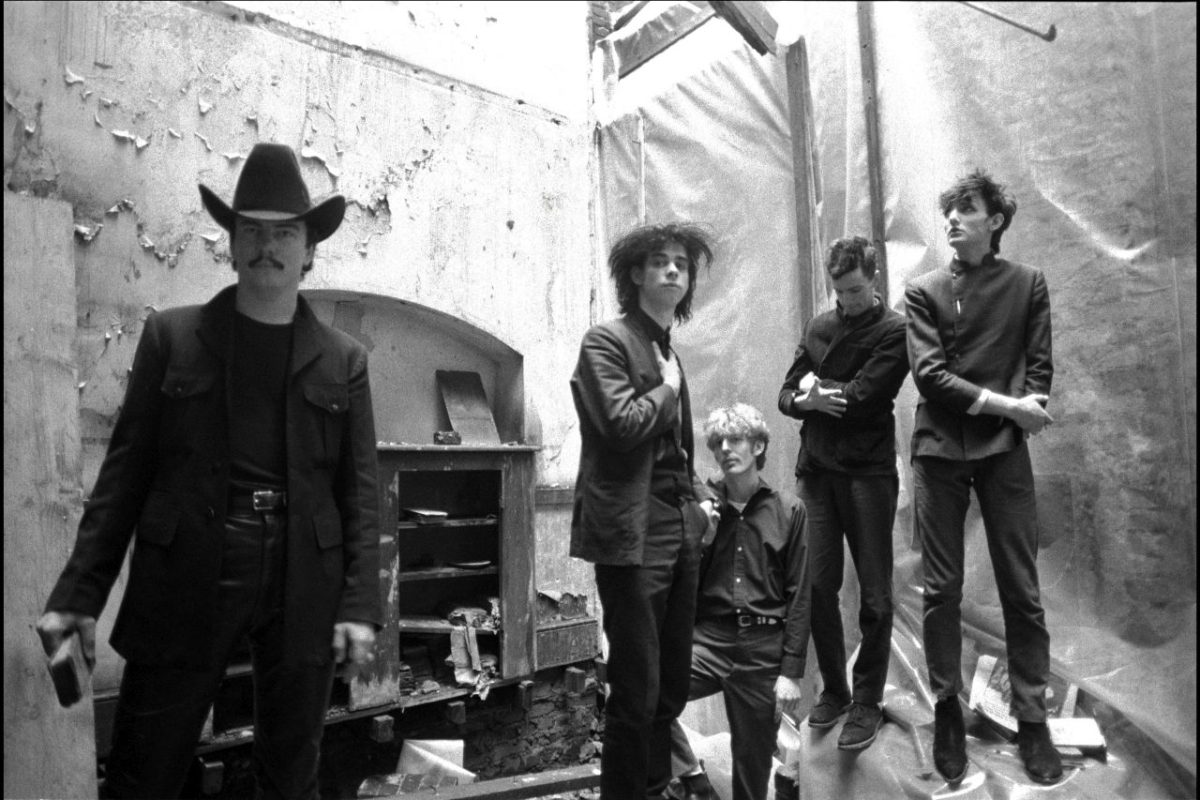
point(949, 740)
point(827, 711)
point(861, 726)
point(1042, 761)
point(693, 787)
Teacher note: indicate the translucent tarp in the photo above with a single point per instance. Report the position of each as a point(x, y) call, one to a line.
point(1095, 135)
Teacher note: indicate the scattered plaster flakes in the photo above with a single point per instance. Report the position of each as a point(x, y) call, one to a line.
point(85, 94)
point(106, 103)
point(102, 65)
point(233, 156)
point(126, 135)
point(211, 238)
point(207, 146)
point(30, 128)
point(175, 133)
point(71, 77)
point(86, 233)
point(8, 100)
point(114, 210)
point(96, 117)
point(205, 106)
point(107, 336)
point(145, 242)
point(80, 386)
point(141, 143)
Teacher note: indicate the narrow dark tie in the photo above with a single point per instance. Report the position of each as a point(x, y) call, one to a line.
point(665, 343)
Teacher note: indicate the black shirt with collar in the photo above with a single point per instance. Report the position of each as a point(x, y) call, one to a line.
point(757, 564)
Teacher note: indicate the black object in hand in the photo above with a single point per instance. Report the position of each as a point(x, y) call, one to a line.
point(69, 670)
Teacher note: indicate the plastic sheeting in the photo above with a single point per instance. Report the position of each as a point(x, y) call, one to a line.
point(1095, 135)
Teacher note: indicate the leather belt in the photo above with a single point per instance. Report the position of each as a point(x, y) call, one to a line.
point(261, 501)
point(752, 620)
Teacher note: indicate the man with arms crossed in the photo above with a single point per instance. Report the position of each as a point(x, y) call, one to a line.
point(636, 515)
point(980, 347)
point(843, 382)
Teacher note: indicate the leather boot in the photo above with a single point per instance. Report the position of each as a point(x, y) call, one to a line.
point(949, 740)
point(1042, 761)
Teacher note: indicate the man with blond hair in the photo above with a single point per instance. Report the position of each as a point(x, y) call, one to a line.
point(752, 610)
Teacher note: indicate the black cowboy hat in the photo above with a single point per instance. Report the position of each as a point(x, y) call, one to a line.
point(271, 188)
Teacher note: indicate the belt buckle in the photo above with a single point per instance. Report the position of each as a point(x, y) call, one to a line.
point(266, 500)
point(744, 621)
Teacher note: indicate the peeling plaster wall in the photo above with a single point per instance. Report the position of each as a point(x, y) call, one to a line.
point(473, 199)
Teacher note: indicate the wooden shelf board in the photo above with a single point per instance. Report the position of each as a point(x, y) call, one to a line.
point(442, 573)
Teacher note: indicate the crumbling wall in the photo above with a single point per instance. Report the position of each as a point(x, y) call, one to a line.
point(469, 200)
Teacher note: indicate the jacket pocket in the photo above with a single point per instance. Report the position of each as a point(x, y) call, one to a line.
point(327, 530)
point(329, 403)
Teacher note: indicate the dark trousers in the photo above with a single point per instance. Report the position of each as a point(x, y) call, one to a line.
point(649, 611)
point(861, 509)
point(161, 710)
point(1004, 487)
point(744, 664)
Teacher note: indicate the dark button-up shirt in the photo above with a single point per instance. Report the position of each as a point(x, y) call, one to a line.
point(757, 564)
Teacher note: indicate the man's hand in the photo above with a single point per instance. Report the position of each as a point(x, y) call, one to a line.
point(787, 696)
point(54, 626)
point(1027, 412)
point(827, 401)
point(669, 367)
point(713, 514)
point(358, 638)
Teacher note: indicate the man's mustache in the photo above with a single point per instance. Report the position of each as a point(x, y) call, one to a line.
point(265, 261)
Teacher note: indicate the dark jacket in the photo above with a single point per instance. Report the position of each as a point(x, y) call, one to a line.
point(865, 357)
point(166, 477)
point(969, 329)
point(624, 408)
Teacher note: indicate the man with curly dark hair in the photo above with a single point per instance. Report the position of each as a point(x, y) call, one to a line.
point(980, 346)
point(843, 382)
point(637, 515)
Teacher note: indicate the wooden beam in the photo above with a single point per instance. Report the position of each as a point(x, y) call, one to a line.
point(804, 178)
point(750, 19)
point(866, 41)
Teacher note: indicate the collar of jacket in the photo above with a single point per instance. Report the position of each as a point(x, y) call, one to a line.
point(643, 322)
point(870, 315)
point(216, 329)
point(956, 266)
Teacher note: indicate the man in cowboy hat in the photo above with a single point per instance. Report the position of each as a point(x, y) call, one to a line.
point(244, 459)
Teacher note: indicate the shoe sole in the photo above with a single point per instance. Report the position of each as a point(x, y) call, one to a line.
point(1044, 781)
point(863, 745)
point(957, 780)
point(821, 726)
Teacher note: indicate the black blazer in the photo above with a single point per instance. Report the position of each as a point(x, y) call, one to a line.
point(166, 477)
point(623, 409)
point(982, 327)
